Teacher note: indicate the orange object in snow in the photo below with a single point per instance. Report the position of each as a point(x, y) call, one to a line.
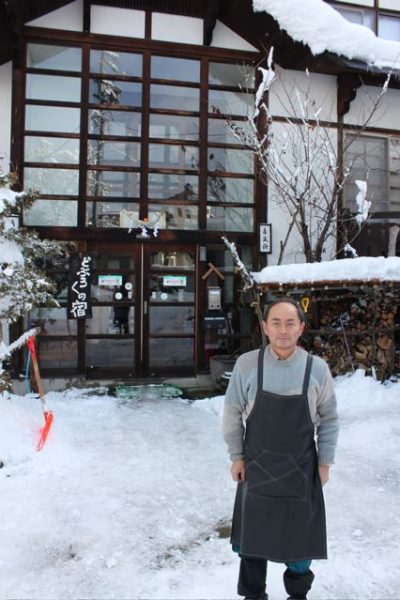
point(48, 415)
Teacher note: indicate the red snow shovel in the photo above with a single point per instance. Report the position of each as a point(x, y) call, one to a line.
point(48, 415)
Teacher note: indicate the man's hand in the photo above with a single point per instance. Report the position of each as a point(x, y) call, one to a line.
point(323, 473)
point(238, 470)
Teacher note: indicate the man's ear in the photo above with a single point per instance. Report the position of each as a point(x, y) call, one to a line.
point(264, 326)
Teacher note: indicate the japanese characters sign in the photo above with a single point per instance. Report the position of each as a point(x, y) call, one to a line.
point(265, 238)
point(79, 300)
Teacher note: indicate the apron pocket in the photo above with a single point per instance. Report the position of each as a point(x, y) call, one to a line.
point(276, 475)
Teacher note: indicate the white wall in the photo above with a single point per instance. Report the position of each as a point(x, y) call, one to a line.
point(5, 115)
point(117, 21)
point(223, 37)
point(69, 17)
point(174, 28)
point(387, 115)
point(322, 88)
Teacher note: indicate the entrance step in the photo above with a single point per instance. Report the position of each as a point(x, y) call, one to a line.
point(151, 391)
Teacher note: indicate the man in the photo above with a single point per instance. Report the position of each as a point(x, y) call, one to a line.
point(277, 399)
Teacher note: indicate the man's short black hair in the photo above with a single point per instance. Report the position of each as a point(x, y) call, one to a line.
point(300, 312)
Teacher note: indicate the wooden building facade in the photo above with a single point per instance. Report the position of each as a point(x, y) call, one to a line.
point(116, 112)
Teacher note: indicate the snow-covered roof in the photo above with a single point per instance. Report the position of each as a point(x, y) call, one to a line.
point(322, 28)
point(346, 269)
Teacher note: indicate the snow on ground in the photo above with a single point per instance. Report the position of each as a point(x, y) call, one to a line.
point(126, 499)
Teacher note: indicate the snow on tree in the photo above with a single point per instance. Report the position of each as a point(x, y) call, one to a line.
point(299, 160)
point(23, 284)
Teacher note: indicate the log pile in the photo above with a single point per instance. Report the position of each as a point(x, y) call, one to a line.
point(353, 327)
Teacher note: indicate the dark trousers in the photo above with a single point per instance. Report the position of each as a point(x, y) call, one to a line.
point(253, 574)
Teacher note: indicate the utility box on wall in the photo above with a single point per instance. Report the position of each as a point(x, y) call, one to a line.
point(214, 298)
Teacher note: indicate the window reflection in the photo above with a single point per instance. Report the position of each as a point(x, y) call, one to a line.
point(113, 320)
point(52, 118)
point(52, 181)
point(57, 354)
point(53, 321)
point(51, 149)
point(180, 69)
point(63, 213)
point(178, 98)
point(109, 353)
point(114, 122)
point(60, 58)
point(171, 352)
point(230, 160)
point(111, 61)
point(52, 87)
point(174, 217)
point(173, 187)
point(234, 75)
point(171, 319)
point(230, 103)
point(221, 218)
point(178, 157)
point(101, 152)
point(104, 91)
point(174, 127)
point(112, 183)
point(183, 260)
point(112, 214)
point(225, 189)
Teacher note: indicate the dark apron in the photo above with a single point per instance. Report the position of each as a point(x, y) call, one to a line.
point(279, 510)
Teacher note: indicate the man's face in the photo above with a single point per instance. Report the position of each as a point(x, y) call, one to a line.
point(283, 328)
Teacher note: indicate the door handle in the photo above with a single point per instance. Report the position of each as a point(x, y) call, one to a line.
point(145, 305)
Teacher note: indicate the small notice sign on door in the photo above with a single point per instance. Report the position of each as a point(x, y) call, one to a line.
point(265, 238)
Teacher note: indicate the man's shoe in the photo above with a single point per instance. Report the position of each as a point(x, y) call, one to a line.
point(263, 597)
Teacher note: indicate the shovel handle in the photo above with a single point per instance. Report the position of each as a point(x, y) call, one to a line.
point(32, 350)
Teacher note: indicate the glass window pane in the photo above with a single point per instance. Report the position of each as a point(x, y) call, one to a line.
point(114, 320)
point(173, 187)
point(169, 259)
point(389, 28)
point(124, 154)
point(104, 91)
point(171, 319)
point(168, 216)
point(114, 262)
point(112, 183)
point(104, 291)
point(53, 321)
point(229, 160)
point(51, 149)
point(221, 218)
point(368, 157)
point(114, 122)
point(61, 58)
point(174, 127)
point(52, 118)
point(224, 189)
point(235, 75)
point(62, 213)
point(219, 132)
point(57, 354)
point(171, 352)
point(118, 63)
point(162, 291)
point(53, 87)
point(230, 103)
point(112, 214)
point(175, 98)
point(180, 69)
point(110, 353)
point(165, 156)
point(52, 181)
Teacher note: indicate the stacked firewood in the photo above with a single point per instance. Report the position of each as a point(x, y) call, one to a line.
point(352, 331)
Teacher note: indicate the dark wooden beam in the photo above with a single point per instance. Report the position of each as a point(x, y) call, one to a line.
point(347, 86)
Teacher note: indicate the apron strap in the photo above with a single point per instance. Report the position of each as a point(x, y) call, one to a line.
point(307, 374)
point(260, 370)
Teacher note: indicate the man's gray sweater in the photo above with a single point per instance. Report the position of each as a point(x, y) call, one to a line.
point(281, 377)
